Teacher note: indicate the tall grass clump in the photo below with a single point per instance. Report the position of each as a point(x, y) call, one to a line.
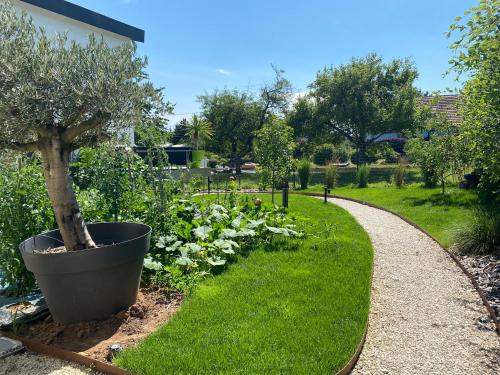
point(480, 235)
point(330, 176)
point(304, 171)
point(362, 176)
point(399, 176)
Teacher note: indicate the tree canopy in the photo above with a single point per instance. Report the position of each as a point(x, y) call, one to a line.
point(366, 98)
point(477, 55)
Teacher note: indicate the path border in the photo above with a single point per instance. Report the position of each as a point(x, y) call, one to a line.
point(66, 355)
point(472, 279)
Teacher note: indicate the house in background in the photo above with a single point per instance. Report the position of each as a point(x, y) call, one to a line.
point(58, 16)
point(447, 104)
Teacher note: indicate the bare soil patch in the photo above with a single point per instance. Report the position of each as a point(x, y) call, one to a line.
point(126, 328)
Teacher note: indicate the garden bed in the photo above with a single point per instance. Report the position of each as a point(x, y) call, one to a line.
point(295, 310)
point(94, 339)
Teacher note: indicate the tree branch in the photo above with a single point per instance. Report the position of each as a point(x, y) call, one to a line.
point(92, 123)
point(18, 146)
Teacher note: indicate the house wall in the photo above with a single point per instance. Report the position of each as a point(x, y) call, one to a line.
point(54, 23)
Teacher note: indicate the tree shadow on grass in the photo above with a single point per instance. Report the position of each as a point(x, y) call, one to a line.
point(442, 200)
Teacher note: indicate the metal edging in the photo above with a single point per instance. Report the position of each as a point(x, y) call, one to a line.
point(66, 355)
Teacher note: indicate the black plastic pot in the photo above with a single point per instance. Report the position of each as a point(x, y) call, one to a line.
point(90, 284)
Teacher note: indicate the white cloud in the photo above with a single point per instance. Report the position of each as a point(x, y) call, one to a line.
point(224, 72)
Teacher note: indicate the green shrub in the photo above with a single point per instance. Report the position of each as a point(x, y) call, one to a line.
point(25, 211)
point(341, 153)
point(399, 176)
point(389, 155)
point(330, 176)
point(362, 175)
point(481, 235)
point(323, 154)
point(304, 171)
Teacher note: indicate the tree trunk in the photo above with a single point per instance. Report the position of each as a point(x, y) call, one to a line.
point(361, 153)
point(55, 156)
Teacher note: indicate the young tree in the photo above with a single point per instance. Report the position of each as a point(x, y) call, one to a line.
point(442, 155)
point(274, 151)
point(477, 54)
point(199, 131)
point(57, 95)
point(366, 98)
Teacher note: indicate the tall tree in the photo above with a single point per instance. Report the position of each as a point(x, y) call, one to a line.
point(180, 132)
point(199, 131)
point(234, 117)
point(477, 55)
point(366, 98)
point(57, 95)
point(274, 151)
point(275, 96)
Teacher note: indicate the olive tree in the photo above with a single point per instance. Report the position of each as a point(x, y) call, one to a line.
point(57, 96)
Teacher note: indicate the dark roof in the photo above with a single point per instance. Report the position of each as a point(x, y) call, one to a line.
point(447, 104)
point(89, 17)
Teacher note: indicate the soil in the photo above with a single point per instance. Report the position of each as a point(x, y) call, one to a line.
point(126, 328)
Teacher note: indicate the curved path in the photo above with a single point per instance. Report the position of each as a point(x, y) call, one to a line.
point(425, 315)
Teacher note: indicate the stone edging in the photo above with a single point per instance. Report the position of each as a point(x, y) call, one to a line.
point(493, 316)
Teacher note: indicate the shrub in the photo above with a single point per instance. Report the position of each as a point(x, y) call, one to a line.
point(341, 153)
point(25, 211)
point(389, 155)
point(399, 176)
point(323, 154)
point(304, 171)
point(330, 175)
point(480, 235)
point(362, 175)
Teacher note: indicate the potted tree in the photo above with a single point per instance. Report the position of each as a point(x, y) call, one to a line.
point(57, 96)
point(199, 131)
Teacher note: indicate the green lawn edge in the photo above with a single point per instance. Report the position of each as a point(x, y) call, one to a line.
point(439, 214)
point(303, 311)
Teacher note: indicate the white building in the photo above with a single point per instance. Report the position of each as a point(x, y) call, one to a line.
point(57, 16)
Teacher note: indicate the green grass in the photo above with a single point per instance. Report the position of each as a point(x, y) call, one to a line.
point(299, 311)
point(439, 214)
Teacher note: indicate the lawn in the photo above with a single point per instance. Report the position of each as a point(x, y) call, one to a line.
point(437, 213)
point(300, 311)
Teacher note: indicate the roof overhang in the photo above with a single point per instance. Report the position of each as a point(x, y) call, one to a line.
point(89, 17)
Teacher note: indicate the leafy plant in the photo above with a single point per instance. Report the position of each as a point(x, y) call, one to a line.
point(205, 236)
point(362, 175)
point(304, 172)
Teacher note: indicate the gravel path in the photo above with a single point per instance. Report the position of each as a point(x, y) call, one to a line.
point(33, 364)
point(425, 315)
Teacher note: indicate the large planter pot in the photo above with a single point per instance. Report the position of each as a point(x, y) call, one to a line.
point(89, 284)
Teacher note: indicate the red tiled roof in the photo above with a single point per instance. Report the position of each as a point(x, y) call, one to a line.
point(446, 104)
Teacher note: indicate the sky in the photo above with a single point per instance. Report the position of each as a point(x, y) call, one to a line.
point(196, 47)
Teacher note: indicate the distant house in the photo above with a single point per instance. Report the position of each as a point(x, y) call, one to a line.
point(57, 16)
point(447, 104)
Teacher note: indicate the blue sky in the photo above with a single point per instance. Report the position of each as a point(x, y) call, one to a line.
point(198, 46)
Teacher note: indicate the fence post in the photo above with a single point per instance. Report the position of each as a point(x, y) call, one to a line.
point(285, 195)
